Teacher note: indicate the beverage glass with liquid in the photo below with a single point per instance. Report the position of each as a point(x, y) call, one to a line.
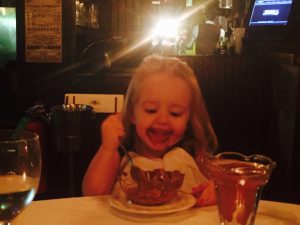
point(239, 181)
point(20, 169)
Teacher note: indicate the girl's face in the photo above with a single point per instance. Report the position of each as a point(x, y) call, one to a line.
point(161, 112)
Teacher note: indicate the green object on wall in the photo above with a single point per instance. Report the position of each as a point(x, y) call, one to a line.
point(7, 35)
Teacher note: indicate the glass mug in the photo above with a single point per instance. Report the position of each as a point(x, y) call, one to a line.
point(239, 181)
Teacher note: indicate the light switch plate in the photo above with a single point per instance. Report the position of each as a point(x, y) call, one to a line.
point(101, 103)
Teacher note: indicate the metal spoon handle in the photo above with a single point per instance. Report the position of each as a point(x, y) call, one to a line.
point(126, 153)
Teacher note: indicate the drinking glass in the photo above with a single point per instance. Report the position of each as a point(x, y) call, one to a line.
point(239, 181)
point(20, 168)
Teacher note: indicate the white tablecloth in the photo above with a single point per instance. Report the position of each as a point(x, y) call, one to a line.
point(97, 210)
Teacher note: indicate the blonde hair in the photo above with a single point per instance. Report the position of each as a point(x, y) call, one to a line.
point(199, 134)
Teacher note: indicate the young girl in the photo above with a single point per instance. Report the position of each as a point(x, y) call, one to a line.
point(164, 117)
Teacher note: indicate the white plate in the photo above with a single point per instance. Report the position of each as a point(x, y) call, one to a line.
point(182, 202)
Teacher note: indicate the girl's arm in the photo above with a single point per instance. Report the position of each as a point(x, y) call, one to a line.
point(205, 193)
point(103, 170)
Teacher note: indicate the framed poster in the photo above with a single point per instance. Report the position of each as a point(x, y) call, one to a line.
point(43, 31)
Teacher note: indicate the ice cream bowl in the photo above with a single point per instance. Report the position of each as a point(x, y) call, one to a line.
point(150, 187)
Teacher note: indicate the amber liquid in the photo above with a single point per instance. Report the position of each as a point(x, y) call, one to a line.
point(238, 186)
point(16, 192)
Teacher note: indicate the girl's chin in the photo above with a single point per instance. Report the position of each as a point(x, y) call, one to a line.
point(159, 147)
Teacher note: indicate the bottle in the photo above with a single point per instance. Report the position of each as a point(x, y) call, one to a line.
point(229, 39)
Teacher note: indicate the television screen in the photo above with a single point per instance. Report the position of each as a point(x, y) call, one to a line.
point(8, 37)
point(270, 12)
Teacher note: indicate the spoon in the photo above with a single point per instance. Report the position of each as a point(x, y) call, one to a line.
point(126, 153)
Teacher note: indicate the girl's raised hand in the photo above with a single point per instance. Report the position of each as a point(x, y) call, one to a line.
point(112, 131)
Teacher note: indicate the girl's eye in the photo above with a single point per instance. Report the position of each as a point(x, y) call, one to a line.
point(150, 111)
point(175, 114)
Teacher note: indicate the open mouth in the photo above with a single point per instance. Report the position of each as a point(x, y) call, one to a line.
point(157, 135)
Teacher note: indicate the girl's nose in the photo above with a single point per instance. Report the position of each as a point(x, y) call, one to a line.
point(163, 118)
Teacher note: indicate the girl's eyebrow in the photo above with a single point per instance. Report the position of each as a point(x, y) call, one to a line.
point(174, 105)
point(181, 107)
point(149, 102)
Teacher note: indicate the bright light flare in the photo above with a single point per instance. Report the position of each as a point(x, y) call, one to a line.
point(166, 28)
point(7, 17)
